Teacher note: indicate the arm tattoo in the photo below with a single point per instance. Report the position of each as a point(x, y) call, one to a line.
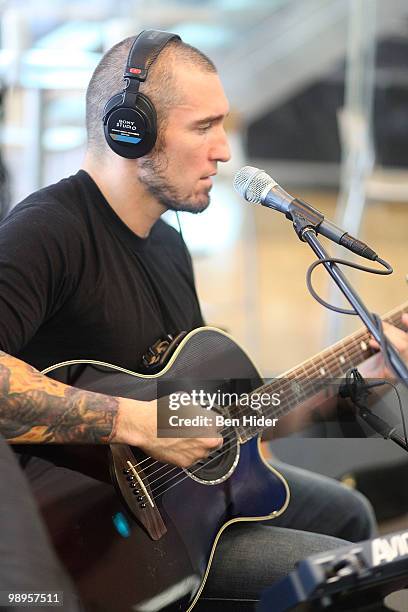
point(34, 408)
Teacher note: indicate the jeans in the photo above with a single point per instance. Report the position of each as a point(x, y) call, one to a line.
point(322, 514)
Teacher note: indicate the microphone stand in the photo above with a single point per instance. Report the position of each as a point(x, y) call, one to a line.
point(305, 222)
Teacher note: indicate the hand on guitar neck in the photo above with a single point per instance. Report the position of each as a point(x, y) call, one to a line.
point(375, 366)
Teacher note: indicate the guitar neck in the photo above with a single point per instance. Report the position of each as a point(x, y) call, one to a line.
point(304, 381)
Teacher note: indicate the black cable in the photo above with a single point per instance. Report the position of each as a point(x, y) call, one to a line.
point(344, 262)
point(179, 226)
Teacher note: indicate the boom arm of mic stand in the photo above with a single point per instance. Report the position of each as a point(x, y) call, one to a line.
point(309, 235)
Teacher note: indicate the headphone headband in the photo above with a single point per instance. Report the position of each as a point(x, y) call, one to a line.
point(145, 49)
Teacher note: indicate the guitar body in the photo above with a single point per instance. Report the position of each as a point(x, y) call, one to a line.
point(125, 553)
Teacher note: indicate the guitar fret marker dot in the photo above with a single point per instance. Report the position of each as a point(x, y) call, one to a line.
point(322, 371)
point(363, 345)
point(342, 360)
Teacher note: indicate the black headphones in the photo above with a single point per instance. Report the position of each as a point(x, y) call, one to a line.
point(129, 117)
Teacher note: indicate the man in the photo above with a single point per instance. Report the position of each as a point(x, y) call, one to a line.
point(88, 270)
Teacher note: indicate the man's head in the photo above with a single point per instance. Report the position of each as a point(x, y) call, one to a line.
point(184, 87)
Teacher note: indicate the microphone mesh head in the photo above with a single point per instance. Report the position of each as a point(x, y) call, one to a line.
point(251, 182)
point(243, 177)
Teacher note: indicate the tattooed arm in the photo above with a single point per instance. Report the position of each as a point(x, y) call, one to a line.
point(37, 409)
point(34, 408)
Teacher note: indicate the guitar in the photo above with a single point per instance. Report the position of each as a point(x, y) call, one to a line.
point(147, 542)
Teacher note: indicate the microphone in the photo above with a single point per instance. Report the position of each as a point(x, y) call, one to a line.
point(258, 187)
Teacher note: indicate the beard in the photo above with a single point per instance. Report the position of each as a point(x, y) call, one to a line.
point(152, 174)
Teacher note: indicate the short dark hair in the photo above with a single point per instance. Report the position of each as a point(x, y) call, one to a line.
point(107, 80)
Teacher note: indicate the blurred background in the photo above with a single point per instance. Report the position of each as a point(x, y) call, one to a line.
point(319, 99)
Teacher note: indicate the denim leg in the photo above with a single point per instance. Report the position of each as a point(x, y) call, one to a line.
point(321, 515)
point(323, 505)
point(250, 557)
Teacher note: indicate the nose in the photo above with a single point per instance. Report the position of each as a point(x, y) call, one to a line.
point(220, 150)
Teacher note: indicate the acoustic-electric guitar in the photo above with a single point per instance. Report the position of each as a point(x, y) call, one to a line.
point(143, 537)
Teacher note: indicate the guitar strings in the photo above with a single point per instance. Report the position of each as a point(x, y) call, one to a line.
point(232, 437)
point(286, 386)
point(357, 339)
point(181, 471)
point(330, 358)
point(226, 448)
point(164, 475)
point(155, 491)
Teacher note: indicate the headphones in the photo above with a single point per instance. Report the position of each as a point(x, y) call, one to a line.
point(129, 117)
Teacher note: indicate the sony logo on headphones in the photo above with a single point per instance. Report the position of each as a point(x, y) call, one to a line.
point(125, 124)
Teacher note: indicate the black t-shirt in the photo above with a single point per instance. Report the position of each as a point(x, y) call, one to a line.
point(77, 283)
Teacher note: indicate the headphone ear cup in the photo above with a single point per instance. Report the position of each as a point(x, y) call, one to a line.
point(130, 132)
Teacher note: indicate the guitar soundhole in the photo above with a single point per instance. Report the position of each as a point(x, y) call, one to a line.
point(220, 464)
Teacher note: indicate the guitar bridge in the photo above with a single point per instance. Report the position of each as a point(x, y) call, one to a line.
point(132, 471)
point(131, 484)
